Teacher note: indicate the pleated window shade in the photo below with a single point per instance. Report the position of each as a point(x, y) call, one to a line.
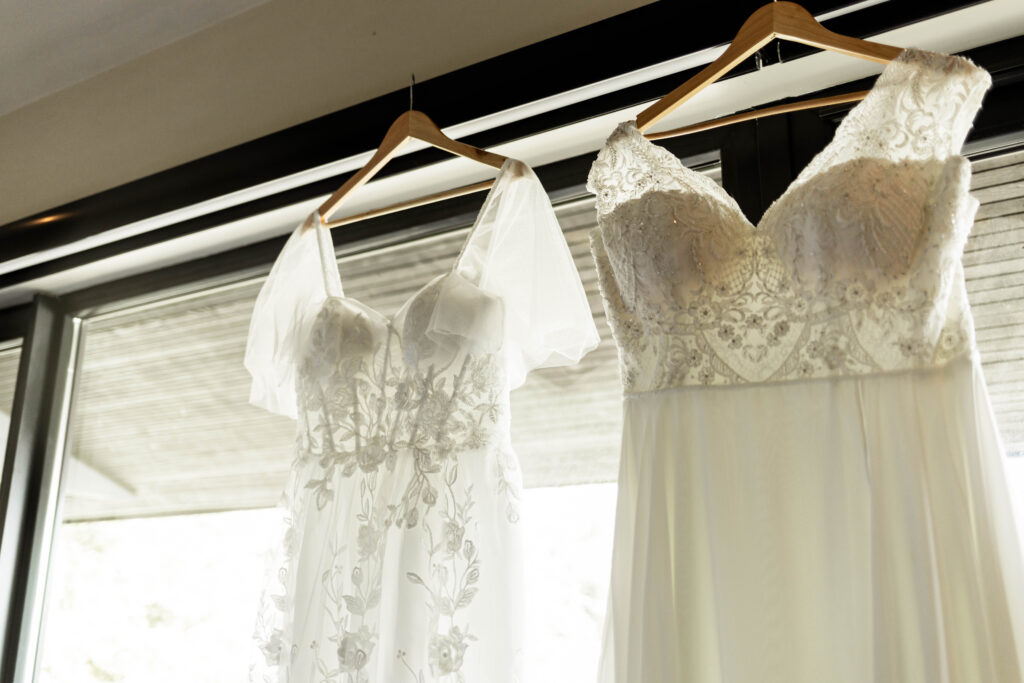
point(9, 358)
point(994, 269)
point(163, 425)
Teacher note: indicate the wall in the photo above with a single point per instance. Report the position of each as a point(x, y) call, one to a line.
point(274, 66)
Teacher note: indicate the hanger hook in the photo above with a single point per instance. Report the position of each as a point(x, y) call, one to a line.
point(412, 83)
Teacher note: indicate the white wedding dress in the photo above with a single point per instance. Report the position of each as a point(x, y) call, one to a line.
point(401, 560)
point(812, 486)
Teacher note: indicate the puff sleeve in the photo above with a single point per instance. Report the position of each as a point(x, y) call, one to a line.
point(518, 254)
point(296, 288)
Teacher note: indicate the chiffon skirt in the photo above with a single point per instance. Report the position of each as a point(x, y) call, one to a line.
point(849, 530)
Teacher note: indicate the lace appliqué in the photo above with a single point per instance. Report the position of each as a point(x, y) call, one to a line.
point(854, 270)
point(389, 414)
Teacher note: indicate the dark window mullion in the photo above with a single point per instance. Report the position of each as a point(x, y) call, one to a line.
point(31, 479)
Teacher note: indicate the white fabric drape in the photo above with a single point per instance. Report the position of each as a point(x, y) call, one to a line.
point(791, 533)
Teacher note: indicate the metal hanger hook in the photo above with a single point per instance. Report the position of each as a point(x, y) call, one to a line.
point(412, 83)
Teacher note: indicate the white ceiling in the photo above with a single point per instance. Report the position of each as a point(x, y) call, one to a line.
point(49, 45)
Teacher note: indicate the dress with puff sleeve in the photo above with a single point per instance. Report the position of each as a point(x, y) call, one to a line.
point(401, 556)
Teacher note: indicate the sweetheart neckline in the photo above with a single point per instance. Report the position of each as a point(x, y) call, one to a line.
point(809, 171)
point(389, 320)
point(800, 177)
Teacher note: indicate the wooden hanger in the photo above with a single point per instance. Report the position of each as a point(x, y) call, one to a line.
point(409, 126)
point(785, 20)
point(759, 114)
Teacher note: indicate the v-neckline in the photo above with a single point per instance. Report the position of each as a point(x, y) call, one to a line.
point(808, 171)
point(329, 262)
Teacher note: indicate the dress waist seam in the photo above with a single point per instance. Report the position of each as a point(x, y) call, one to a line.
point(970, 355)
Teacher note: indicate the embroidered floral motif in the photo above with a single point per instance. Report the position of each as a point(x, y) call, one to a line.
point(372, 412)
point(451, 584)
point(854, 269)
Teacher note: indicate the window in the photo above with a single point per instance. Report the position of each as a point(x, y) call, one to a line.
point(166, 498)
point(171, 476)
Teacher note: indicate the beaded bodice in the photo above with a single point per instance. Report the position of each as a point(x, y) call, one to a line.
point(855, 269)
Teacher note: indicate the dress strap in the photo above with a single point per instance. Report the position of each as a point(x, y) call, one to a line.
point(328, 261)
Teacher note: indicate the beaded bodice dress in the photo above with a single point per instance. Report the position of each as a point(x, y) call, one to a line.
point(811, 484)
